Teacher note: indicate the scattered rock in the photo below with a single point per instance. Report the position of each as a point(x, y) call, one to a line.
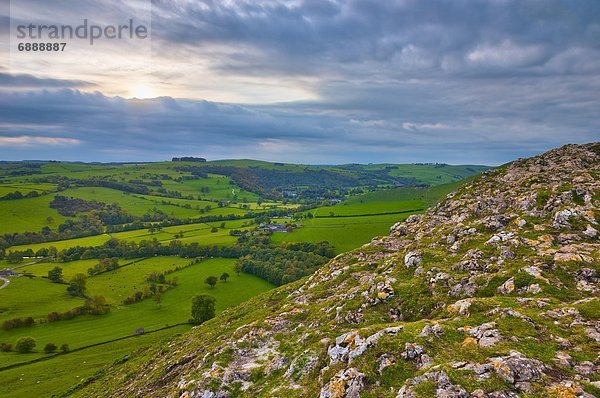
point(444, 386)
point(567, 389)
point(461, 307)
point(585, 368)
point(351, 345)
point(534, 288)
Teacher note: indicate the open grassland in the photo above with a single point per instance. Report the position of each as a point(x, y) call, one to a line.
point(56, 375)
point(136, 205)
point(396, 200)
point(357, 209)
point(25, 188)
point(35, 297)
point(432, 174)
point(199, 232)
point(360, 218)
point(69, 269)
point(123, 320)
point(344, 233)
point(29, 214)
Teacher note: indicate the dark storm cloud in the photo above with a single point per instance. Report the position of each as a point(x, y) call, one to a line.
point(402, 36)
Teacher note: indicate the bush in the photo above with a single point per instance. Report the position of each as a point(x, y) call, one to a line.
point(6, 347)
point(64, 348)
point(50, 348)
point(17, 323)
point(203, 308)
point(25, 344)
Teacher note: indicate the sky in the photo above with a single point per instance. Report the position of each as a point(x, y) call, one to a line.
point(315, 81)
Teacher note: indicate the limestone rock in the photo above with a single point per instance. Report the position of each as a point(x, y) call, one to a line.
point(413, 259)
point(346, 383)
point(507, 287)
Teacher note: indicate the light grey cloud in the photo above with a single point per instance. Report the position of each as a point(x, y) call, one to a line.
point(113, 128)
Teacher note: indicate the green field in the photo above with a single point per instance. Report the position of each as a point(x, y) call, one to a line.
point(360, 218)
point(123, 320)
point(344, 233)
point(31, 214)
point(58, 374)
point(200, 232)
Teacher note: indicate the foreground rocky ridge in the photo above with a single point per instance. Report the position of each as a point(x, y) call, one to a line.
point(492, 293)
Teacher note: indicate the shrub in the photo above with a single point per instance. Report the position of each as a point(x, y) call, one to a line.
point(6, 347)
point(25, 344)
point(17, 323)
point(542, 198)
point(64, 348)
point(50, 348)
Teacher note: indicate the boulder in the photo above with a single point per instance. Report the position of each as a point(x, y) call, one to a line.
point(516, 368)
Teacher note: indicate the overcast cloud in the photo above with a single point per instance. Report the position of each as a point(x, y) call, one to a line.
point(324, 82)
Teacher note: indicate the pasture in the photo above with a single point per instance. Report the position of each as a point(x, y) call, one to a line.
point(123, 320)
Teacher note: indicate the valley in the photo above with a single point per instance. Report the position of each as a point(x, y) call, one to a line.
point(169, 226)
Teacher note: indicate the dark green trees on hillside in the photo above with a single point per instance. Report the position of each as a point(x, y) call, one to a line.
point(55, 275)
point(77, 286)
point(224, 277)
point(203, 308)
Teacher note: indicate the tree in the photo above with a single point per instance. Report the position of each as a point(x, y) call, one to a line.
point(77, 286)
point(14, 258)
point(224, 276)
point(203, 308)
point(50, 348)
point(25, 344)
point(55, 275)
point(211, 281)
point(237, 268)
point(64, 348)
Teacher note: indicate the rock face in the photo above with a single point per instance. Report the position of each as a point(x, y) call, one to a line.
point(491, 293)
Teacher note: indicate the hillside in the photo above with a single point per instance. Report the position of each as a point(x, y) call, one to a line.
point(491, 293)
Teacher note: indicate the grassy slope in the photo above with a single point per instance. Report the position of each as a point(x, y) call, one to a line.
point(344, 233)
point(347, 233)
point(28, 215)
